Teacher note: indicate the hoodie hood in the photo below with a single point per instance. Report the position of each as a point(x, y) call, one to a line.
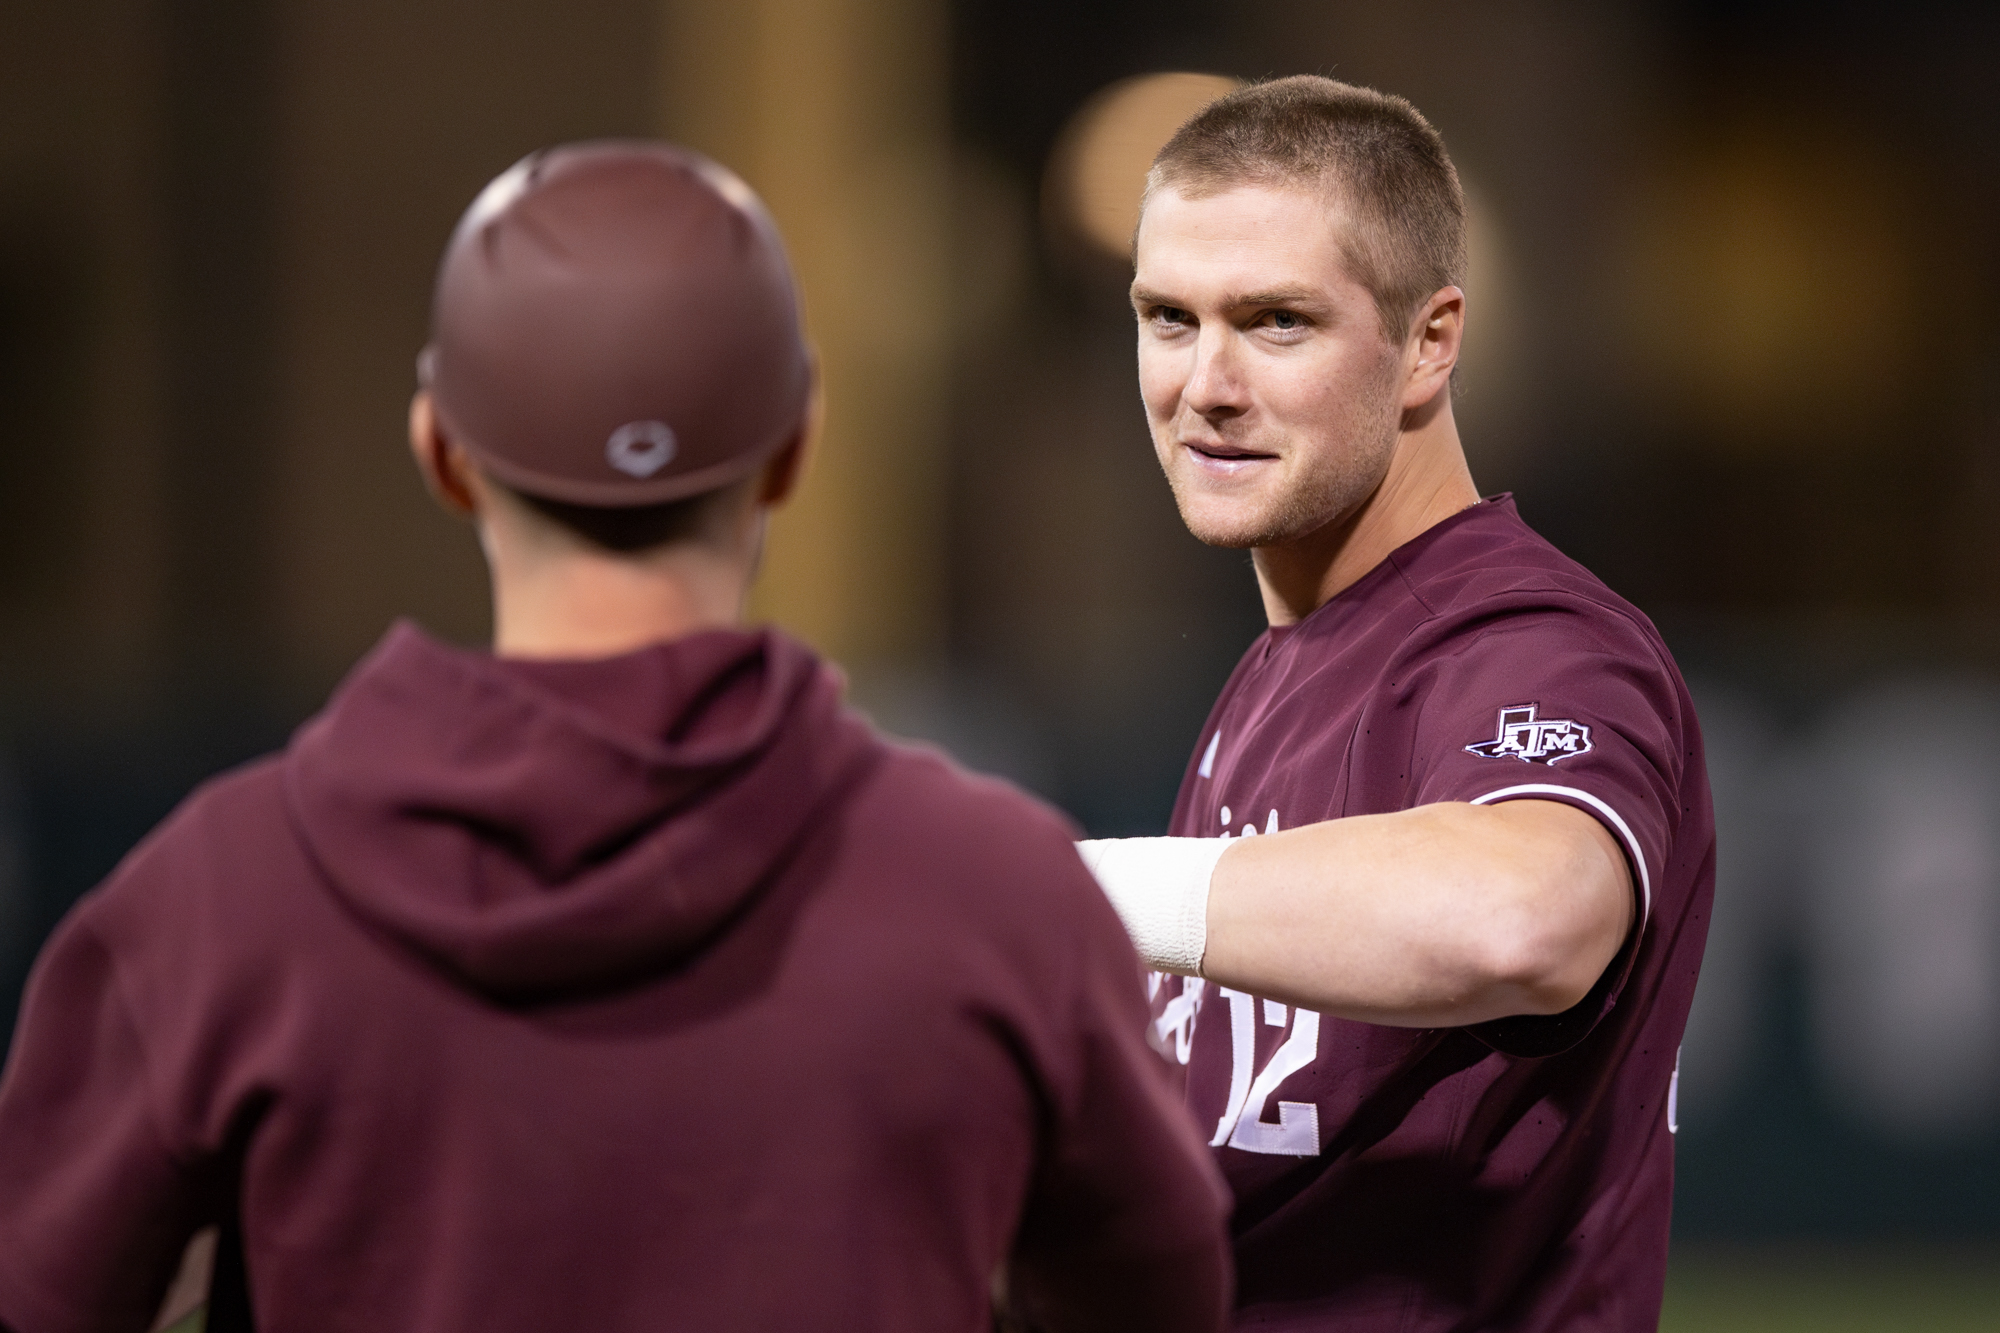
point(539, 827)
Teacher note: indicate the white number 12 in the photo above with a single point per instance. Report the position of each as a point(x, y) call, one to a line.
point(1296, 1132)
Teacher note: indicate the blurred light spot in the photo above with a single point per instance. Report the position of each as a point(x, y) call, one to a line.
point(1098, 169)
point(1770, 290)
point(1904, 905)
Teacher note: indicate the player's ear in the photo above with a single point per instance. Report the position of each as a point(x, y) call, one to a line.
point(1435, 337)
point(782, 474)
point(443, 464)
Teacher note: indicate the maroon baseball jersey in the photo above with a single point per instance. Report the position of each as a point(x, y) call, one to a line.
point(653, 992)
point(1513, 1175)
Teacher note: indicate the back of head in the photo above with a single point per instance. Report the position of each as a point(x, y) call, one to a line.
point(1384, 169)
point(615, 326)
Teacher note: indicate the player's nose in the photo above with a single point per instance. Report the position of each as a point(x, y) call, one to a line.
point(1215, 383)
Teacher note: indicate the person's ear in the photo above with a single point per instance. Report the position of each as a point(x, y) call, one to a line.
point(1435, 339)
point(446, 469)
point(782, 473)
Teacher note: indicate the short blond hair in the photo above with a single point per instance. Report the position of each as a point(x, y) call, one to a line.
point(1373, 154)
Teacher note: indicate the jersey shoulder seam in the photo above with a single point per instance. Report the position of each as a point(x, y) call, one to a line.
point(1415, 589)
point(1648, 635)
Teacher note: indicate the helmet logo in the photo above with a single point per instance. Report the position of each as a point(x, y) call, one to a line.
point(641, 448)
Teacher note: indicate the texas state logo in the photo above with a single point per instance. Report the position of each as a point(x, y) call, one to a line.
point(1533, 740)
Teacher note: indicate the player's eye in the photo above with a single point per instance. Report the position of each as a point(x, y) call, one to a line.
point(1171, 314)
point(1285, 320)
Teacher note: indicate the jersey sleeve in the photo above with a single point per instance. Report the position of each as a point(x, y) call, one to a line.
point(1124, 1224)
point(1560, 699)
point(95, 1210)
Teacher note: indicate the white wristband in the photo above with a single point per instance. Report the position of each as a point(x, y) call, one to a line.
point(1159, 887)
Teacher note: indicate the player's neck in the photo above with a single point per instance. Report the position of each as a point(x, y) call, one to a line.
point(589, 604)
point(1427, 482)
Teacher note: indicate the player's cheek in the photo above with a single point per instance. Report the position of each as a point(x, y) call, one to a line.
point(1159, 389)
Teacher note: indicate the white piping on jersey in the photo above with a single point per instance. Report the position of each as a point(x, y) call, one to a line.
point(1674, 1096)
point(1624, 830)
point(1207, 768)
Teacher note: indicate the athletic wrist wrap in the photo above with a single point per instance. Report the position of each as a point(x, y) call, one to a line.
point(1159, 887)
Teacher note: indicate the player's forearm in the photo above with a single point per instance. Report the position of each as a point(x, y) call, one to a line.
point(1439, 916)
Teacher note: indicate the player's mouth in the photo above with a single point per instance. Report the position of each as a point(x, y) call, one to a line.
point(1217, 459)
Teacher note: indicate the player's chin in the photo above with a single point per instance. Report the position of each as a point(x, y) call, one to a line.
point(1215, 522)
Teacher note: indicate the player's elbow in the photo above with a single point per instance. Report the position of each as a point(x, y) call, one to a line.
point(1544, 945)
point(1554, 979)
point(1554, 904)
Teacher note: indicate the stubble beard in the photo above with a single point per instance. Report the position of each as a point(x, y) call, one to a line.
point(1322, 489)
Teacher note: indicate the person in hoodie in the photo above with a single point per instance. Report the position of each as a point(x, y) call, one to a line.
point(617, 978)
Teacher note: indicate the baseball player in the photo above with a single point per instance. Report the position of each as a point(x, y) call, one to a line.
point(1443, 855)
point(617, 978)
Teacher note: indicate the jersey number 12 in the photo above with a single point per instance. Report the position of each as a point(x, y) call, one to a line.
point(1295, 1133)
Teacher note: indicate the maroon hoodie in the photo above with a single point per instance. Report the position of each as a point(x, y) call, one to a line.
point(653, 992)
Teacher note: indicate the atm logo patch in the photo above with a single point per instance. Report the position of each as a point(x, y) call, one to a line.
point(1533, 740)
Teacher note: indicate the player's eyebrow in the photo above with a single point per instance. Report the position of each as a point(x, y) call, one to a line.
point(1279, 296)
point(1295, 295)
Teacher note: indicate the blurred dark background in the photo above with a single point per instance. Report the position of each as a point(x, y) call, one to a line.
point(1729, 340)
